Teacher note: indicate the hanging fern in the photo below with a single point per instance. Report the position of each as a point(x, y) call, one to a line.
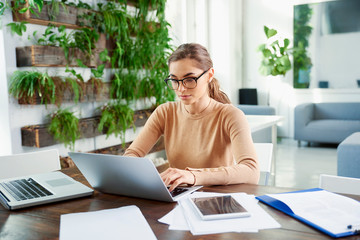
point(64, 127)
point(25, 84)
point(115, 119)
point(123, 85)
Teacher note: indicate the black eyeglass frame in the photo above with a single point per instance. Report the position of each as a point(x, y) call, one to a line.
point(184, 79)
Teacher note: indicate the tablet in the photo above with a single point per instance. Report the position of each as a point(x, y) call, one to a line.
point(219, 207)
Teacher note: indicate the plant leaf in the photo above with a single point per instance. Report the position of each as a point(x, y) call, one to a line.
point(286, 42)
point(269, 32)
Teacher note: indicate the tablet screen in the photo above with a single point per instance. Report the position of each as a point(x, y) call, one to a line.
point(226, 206)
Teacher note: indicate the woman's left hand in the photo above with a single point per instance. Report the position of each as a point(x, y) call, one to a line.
point(175, 177)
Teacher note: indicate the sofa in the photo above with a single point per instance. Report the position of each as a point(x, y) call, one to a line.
point(326, 122)
point(264, 135)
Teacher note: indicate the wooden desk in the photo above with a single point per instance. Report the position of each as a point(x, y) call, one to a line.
point(43, 222)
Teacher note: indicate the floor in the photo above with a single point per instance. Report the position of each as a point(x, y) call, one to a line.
point(300, 167)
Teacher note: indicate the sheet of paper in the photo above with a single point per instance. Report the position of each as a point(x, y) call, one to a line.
point(175, 219)
point(119, 223)
point(328, 210)
point(187, 216)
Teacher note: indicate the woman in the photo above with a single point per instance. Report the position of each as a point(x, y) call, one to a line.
point(207, 140)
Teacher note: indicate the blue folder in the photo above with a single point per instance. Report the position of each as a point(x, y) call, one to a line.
point(279, 205)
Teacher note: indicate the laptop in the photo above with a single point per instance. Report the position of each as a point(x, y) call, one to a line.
point(128, 176)
point(32, 190)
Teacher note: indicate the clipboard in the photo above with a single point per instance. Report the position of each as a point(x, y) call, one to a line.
point(281, 206)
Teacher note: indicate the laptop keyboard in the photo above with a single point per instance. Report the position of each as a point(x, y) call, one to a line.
point(178, 191)
point(24, 189)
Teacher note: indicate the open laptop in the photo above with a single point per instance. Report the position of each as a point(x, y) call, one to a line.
point(31, 190)
point(128, 176)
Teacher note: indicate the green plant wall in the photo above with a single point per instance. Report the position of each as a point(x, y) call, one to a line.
point(140, 46)
point(302, 31)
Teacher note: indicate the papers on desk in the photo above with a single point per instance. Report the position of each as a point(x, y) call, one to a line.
point(119, 223)
point(331, 213)
point(184, 217)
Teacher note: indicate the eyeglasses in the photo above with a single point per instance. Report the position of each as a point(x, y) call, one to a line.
point(189, 82)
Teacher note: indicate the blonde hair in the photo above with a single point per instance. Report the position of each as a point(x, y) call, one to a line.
point(199, 53)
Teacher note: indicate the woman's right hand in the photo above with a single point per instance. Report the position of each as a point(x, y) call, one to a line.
point(175, 177)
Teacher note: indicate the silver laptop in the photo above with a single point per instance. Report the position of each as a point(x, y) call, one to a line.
point(20, 192)
point(128, 176)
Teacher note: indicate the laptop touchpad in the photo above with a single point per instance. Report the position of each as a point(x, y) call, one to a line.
point(59, 182)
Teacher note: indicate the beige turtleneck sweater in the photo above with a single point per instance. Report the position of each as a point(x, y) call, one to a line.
point(215, 145)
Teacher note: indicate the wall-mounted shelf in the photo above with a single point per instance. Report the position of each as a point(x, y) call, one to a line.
point(67, 17)
point(38, 135)
point(89, 95)
point(50, 56)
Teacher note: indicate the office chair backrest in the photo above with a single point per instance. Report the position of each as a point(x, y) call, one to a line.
point(29, 163)
point(340, 184)
point(265, 155)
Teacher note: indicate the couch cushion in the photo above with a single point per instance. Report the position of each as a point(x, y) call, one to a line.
point(338, 110)
point(330, 131)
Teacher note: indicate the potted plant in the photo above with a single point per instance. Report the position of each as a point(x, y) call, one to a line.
point(44, 12)
point(26, 85)
point(275, 54)
point(22, 6)
point(57, 47)
point(115, 119)
point(74, 89)
point(64, 127)
point(34, 87)
point(123, 85)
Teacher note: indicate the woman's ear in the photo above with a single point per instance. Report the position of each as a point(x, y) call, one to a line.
point(211, 74)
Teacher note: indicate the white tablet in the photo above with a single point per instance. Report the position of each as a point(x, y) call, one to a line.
point(219, 207)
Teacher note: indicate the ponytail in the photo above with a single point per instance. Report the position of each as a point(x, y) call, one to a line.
point(216, 93)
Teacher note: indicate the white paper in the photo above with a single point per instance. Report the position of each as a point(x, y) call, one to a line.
point(119, 223)
point(259, 219)
point(328, 210)
point(175, 219)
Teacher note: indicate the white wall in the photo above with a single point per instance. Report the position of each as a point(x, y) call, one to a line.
point(225, 44)
point(5, 136)
point(338, 59)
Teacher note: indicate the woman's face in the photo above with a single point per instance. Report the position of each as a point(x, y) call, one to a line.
point(187, 68)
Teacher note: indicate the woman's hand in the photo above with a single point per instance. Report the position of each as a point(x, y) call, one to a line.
point(175, 177)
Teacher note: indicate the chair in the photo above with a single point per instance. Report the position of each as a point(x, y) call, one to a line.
point(264, 135)
point(29, 163)
point(265, 155)
point(348, 156)
point(340, 184)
